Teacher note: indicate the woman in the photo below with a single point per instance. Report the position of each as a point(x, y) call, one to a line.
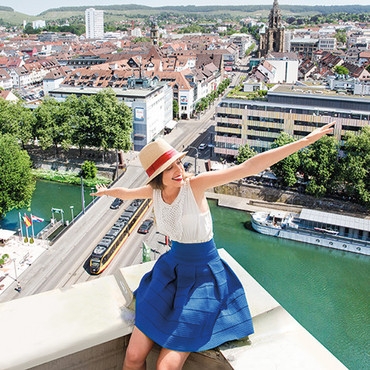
point(191, 300)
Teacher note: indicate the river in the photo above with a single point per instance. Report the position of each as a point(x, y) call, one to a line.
point(326, 290)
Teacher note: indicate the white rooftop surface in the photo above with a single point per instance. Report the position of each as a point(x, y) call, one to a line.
point(39, 328)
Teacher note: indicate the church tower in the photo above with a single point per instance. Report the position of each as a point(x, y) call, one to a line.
point(273, 38)
point(154, 32)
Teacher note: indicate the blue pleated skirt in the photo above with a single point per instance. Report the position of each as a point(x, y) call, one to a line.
point(191, 300)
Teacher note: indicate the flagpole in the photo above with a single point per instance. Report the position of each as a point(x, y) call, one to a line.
point(20, 224)
point(27, 233)
point(33, 231)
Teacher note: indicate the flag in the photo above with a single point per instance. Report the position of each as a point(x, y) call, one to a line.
point(36, 219)
point(27, 220)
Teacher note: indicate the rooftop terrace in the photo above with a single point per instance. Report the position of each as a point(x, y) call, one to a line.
point(88, 326)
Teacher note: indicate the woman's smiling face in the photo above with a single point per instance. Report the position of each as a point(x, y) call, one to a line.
point(173, 175)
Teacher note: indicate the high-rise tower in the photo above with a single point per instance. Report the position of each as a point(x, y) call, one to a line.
point(94, 23)
point(273, 38)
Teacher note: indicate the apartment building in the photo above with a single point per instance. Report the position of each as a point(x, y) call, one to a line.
point(291, 109)
point(94, 23)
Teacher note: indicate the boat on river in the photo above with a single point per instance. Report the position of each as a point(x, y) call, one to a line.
point(330, 230)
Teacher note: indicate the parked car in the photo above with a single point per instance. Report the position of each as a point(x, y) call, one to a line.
point(187, 165)
point(116, 203)
point(145, 226)
point(202, 146)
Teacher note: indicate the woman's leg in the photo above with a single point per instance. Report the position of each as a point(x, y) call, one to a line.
point(171, 360)
point(137, 351)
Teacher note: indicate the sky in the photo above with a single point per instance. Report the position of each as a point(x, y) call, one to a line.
point(35, 7)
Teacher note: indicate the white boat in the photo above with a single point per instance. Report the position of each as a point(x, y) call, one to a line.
point(326, 229)
point(271, 223)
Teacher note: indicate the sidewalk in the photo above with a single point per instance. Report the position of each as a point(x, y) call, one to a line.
point(21, 256)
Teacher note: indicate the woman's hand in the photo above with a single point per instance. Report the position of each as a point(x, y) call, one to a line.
point(320, 132)
point(100, 190)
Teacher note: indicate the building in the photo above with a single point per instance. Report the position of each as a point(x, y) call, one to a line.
point(291, 109)
point(94, 23)
point(272, 40)
point(305, 47)
point(38, 24)
point(151, 105)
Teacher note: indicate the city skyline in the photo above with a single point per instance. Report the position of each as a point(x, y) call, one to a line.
point(35, 7)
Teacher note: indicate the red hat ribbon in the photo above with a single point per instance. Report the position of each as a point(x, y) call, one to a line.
point(160, 161)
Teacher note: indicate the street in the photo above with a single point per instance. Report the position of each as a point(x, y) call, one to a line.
point(66, 261)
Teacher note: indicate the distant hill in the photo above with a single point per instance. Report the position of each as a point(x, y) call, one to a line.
point(9, 17)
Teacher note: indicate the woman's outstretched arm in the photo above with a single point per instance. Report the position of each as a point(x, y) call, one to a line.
point(259, 162)
point(143, 192)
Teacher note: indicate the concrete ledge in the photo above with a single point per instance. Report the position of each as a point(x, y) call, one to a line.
point(88, 326)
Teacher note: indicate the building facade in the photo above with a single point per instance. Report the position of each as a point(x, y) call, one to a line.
point(287, 109)
point(94, 23)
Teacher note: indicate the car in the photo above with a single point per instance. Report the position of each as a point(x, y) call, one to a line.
point(202, 146)
point(116, 203)
point(145, 226)
point(187, 165)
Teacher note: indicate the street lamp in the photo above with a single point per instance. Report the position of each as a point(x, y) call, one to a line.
point(71, 207)
point(196, 157)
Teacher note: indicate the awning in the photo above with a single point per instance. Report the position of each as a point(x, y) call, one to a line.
point(171, 125)
point(6, 234)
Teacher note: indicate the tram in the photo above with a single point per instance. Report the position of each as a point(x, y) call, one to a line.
point(113, 240)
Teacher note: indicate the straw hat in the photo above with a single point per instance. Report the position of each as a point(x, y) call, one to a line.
point(156, 156)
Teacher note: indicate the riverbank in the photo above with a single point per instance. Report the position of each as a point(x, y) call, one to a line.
point(271, 197)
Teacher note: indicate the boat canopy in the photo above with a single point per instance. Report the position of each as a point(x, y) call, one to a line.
point(335, 219)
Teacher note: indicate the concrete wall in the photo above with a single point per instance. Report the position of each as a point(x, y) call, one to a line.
point(88, 326)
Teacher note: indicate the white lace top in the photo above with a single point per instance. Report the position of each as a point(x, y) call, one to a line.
point(182, 220)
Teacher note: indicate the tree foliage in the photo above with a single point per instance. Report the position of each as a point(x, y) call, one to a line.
point(16, 120)
point(96, 121)
point(89, 170)
point(16, 181)
point(356, 166)
point(287, 168)
point(320, 166)
point(245, 152)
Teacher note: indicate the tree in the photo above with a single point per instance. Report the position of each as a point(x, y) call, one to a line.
point(88, 170)
point(16, 120)
point(52, 125)
point(287, 168)
point(16, 181)
point(320, 166)
point(341, 70)
point(245, 152)
point(356, 165)
point(175, 108)
point(114, 121)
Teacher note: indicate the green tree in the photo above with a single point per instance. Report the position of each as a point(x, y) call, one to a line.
point(341, 36)
point(320, 166)
point(16, 181)
point(287, 168)
point(16, 120)
point(89, 170)
point(175, 108)
point(52, 126)
point(245, 152)
point(113, 121)
point(356, 166)
point(341, 70)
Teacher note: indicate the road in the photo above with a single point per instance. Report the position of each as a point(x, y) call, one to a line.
point(65, 262)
